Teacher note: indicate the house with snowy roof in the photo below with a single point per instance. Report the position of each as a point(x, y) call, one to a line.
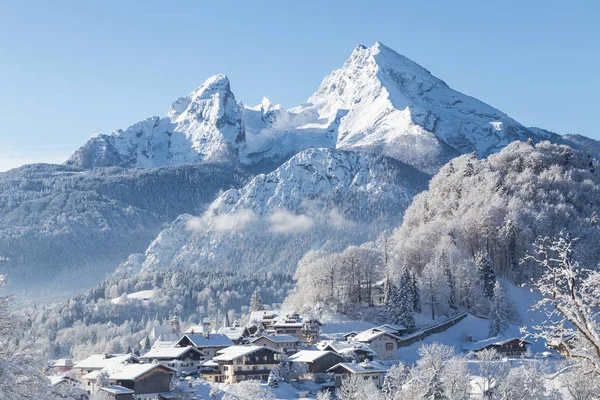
point(240, 363)
point(237, 334)
point(117, 393)
point(184, 360)
point(97, 362)
point(208, 343)
point(380, 341)
point(61, 366)
point(147, 381)
point(508, 346)
point(284, 343)
point(368, 370)
point(317, 361)
point(349, 351)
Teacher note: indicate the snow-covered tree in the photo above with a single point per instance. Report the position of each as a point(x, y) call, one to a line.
point(248, 390)
point(393, 380)
point(456, 380)
point(434, 289)
point(570, 300)
point(580, 385)
point(354, 387)
point(503, 311)
point(490, 371)
point(274, 379)
point(256, 302)
point(404, 301)
point(324, 395)
point(485, 268)
point(524, 383)
point(415, 293)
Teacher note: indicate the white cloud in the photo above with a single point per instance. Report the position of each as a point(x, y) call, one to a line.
point(336, 218)
point(222, 222)
point(283, 221)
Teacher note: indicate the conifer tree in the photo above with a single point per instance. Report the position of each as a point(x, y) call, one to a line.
point(405, 301)
point(256, 302)
point(415, 294)
point(502, 311)
point(485, 268)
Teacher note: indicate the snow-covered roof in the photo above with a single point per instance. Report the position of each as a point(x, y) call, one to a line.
point(263, 315)
point(391, 328)
point(195, 329)
point(372, 334)
point(345, 347)
point(211, 340)
point(278, 338)
point(233, 333)
point(132, 371)
point(63, 362)
point(308, 356)
point(365, 367)
point(158, 330)
point(117, 390)
point(493, 341)
point(168, 337)
point(55, 380)
point(235, 352)
point(162, 352)
point(100, 361)
point(92, 376)
point(210, 363)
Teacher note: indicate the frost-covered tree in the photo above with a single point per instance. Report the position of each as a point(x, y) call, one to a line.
point(393, 381)
point(415, 293)
point(570, 301)
point(354, 387)
point(273, 380)
point(456, 379)
point(248, 390)
point(524, 383)
point(431, 367)
point(485, 268)
point(256, 302)
point(434, 289)
point(580, 385)
point(490, 370)
point(503, 311)
point(324, 395)
point(404, 302)
point(20, 369)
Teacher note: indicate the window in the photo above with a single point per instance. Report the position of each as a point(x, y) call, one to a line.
point(389, 346)
point(374, 377)
point(365, 377)
point(225, 368)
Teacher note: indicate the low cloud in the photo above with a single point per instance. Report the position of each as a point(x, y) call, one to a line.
point(222, 222)
point(283, 221)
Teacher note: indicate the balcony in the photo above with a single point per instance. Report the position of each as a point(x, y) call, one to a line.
point(257, 372)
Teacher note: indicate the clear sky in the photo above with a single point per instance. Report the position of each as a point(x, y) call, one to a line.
point(72, 68)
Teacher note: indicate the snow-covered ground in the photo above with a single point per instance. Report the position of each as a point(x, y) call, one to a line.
point(143, 295)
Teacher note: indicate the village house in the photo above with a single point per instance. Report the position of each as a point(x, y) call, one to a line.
point(284, 343)
point(236, 334)
point(349, 351)
point(317, 361)
point(383, 343)
point(240, 363)
point(184, 360)
point(511, 346)
point(368, 370)
point(97, 362)
point(209, 343)
point(393, 329)
point(265, 318)
point(61, 366)
point(118, 393)
point(147, 381)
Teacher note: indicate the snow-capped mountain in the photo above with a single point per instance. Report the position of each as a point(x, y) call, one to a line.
point(320, 198)
point(204, 126)
point(378, 102)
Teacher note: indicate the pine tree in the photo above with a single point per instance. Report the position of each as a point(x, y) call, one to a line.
point(256, 302)
point(404, 299)
point(147, 345)
point(415, 294)
point(451, 285)
point(392, 303)
point(387, 291)
point(502, 311)
point(273, 379)
point(485, 268)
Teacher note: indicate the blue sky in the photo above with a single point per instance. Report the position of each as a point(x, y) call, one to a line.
point(72, 68)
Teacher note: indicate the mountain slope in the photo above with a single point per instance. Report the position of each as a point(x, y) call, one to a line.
point(59, 223)
point(379, 102)
point(204, 126)
point(320, 198)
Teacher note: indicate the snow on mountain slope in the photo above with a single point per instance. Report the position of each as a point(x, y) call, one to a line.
point(204, 126)
point(379, 102)
point(320, 198)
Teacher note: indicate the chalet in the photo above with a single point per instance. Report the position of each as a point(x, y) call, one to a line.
point(239, 363)
point(146, 380)
point(349, 351)
point(61, 366)
point(69, 385)
point(318, 362)
point(184, 360)
point(511, 346)
point(393, 329)
point(369, 370)
point(264, 317)
point(97, 362)
point(117, 393)
point(236, 334)
point(350, 335)
point(383, 343)
point(284, 343)
point(209, 343)
point(562, 345)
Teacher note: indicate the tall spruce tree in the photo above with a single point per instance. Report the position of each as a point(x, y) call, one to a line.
point(487, 275)
point(415, 293)
point(502, 311)
point(256, 302)
point(405, 301)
